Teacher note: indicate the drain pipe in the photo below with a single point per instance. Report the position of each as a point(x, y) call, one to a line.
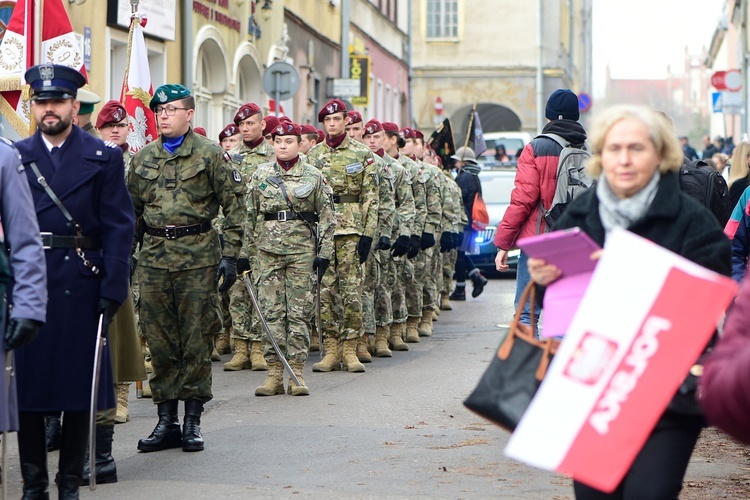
point(539, 71)
point(187, 45)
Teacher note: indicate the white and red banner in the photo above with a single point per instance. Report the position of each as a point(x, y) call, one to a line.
point(640, 327)
point(137, 89)
point(59, 46)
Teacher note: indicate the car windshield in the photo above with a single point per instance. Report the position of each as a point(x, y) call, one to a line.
point(512, 146)
point(496, 186)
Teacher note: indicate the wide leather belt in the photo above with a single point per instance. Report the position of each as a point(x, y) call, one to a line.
point(50, 240)
point(286, 215)
point(174, 232)
point(345, 198)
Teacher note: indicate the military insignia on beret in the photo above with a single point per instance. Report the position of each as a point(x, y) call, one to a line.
point(331, 108)
point(280, 130)
point(236, 176)
point(370, 129)
point(162, 96)
point(117, 115)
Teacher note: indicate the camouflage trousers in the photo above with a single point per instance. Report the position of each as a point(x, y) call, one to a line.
point(180, 314)
point(286, 296)
point(412, 288)
point(449, 269)
point(395, 280)
point(372, 278)
point(244, 320)
point(424, 271)
point(376, 296)
point(226, 316)
point(341, 293)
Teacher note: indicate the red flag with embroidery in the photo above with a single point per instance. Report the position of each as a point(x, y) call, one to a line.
point(137, 89)
point(59, 46)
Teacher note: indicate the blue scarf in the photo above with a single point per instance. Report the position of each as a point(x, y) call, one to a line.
point(172, 143)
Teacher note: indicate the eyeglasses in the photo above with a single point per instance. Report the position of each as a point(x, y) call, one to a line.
point(115, 125)
point(170, 110)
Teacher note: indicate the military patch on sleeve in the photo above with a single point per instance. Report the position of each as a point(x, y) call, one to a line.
point(236, 176)
point(110, 144)
point(226, 156)
point(304, 190)
point(370, 160)
point(353, 168)
point(263, 186)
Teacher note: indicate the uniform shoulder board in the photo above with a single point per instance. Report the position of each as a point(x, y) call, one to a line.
point(111, 144)
point(226, 157)
point(3, 140)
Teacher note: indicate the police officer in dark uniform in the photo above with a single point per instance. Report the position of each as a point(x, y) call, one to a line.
point(87, 222)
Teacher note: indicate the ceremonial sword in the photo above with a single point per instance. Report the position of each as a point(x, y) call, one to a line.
point(101, 343)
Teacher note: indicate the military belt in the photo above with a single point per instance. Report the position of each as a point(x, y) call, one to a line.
point(286, 215)
point(174, 232)
point(50, 241)
point(345, 198)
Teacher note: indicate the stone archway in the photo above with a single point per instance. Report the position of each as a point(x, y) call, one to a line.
point(494, 118)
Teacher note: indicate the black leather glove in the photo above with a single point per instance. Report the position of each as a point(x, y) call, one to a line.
point(108, 308)
point(227, 270)
point(427, 241)
point(414, 245)
point(401, 246)
point(446, 242)
point(221, 240)
point(21, 331)
point(363, 248)
point(243, 264)
point(319, 266)
point(458, 239)
point(384, 243)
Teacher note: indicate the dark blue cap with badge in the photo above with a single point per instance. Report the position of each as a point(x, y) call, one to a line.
point(53, 81)
point(167, 93)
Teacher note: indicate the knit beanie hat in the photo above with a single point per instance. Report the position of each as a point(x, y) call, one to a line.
point(562, 105)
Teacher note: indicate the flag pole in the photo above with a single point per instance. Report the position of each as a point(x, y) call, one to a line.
point(468, 133)
point(133, 19)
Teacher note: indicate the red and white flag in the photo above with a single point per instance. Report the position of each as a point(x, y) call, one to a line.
point(137, 89)
point(59, 46)
point(634, 338)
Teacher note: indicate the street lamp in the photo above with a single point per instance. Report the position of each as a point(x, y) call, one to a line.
point(266, 10)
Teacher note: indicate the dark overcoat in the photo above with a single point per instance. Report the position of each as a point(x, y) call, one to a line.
point(54, 371)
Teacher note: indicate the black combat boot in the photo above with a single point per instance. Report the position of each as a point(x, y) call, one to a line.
point(32, 449)
point(192, 440)
point(75, 433)
point(106, 469)
point(54, 428)
point(478, 281)
point(167, 433)
point(459, 293)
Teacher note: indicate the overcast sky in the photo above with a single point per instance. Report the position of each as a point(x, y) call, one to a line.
point(639, 38)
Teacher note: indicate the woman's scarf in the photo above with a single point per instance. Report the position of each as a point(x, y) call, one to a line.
point(623, 212)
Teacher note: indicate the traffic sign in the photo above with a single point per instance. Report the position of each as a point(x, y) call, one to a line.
point(727, 80)
point(584, 102)
point(346, 87)
point(731, 102)
point(439, 106)
point(716, 103)
point(281, 81)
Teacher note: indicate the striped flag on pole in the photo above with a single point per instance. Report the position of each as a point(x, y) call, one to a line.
point(59, 46)
point(137, 89)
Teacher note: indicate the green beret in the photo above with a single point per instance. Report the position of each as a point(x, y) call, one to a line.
point(168, 93)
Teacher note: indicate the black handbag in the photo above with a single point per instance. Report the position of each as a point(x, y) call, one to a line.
point(515, 372)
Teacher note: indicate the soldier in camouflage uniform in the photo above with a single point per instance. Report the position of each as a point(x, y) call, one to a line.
point(254, 151)
point(230, 138)
point(309, 138)
point(286, 200)
point(389, 298)
point(178, 183)
point(375, 295)
point(349, 168)
point(449, 256)
point(404, 266)
point(355, 129)
point(420, 299)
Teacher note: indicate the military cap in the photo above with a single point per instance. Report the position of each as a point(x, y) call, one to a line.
point(390, 127)
point(271, 123)
point(308, 129)
point(408, 133)
point(321, 135)
point(53, 81)
point(333, 106)
point(111, 112)
point(87, 100)
point(286, 127)
point(200, 131)
point(354, 117)
point(245, 112)
point(373, 127)
point(228, 131)
point(167, 93)
point(418, 134)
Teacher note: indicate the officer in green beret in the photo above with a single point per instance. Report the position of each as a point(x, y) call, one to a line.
point(178, 184)
point(87, 99)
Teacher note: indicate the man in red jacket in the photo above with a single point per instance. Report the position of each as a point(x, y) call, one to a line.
point(536, 180)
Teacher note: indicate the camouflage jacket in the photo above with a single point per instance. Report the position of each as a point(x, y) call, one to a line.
point(309, 193)
point(351, 171)
point(404, 198)
point(251, 158)
point(184, 188)
point(419, 192)
point(387, 197)
point(458, 219)
point(434, 186)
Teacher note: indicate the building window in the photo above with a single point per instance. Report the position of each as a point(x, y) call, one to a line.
point(442, 19)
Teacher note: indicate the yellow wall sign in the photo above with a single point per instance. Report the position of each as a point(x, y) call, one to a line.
point(359, 69)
